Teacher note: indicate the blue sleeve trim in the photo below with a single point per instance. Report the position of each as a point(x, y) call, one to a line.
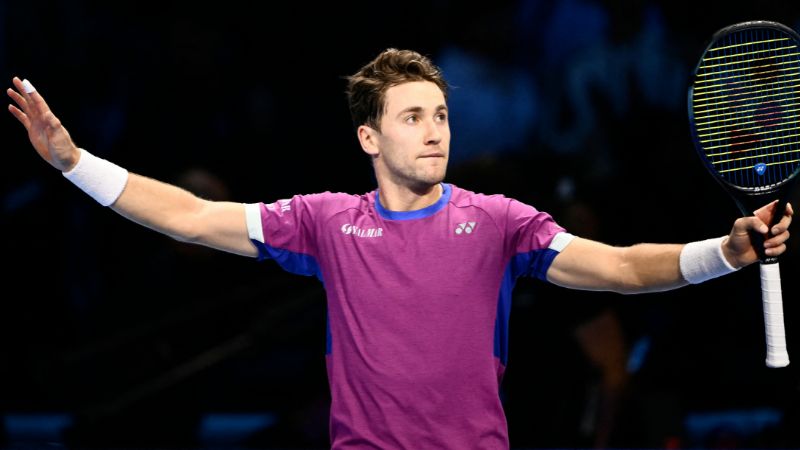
point(534, 264)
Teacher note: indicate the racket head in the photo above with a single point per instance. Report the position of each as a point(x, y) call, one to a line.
point(744, 109)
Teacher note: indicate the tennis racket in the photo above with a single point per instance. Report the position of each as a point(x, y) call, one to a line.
point(744, 113)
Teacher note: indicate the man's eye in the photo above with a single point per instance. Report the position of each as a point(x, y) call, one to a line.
point(441, 117)
point(411, 119)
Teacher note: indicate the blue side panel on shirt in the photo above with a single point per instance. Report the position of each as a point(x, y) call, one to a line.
point(328, 338)
point(296, 263)
point(533, 263)
point(503, 314)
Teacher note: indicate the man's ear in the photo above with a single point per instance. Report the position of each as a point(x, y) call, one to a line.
point(368, 137)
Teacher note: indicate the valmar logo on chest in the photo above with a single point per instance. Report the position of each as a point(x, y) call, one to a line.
point(362, 232)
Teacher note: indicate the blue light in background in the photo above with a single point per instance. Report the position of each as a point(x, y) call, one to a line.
point(228, 428)
point(741, 423)
point(36, 428)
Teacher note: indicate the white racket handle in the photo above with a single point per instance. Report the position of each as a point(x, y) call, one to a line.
point(777, 356)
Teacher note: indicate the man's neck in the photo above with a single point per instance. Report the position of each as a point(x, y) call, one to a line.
point(402, 198)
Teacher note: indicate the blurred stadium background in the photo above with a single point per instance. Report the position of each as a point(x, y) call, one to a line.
point(113, 336)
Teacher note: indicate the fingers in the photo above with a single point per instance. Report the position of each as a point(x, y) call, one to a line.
point(20, 88)
point(24, 86)
point(34, 96)
point(785, 221)
point(21, 116)
point(768, 214)
point(743, 225)
point(28, 87)
point(766, 211)
point(756, 224)
point(18, 99)
point(27, 97)
point(776, 245)
point(775, 251)
point(776, 240)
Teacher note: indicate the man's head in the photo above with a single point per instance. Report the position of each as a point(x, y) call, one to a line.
point(398, 105)
point(366, 89)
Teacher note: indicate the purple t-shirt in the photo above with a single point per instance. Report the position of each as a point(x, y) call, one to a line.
point(418, 308)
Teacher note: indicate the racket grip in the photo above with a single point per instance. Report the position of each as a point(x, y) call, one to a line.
point(777, 356)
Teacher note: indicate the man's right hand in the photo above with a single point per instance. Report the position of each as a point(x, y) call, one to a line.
point(50, 139)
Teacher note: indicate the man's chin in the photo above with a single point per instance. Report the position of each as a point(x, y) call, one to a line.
point(426, 183)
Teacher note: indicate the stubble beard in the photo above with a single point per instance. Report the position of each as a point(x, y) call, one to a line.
point(417, 180)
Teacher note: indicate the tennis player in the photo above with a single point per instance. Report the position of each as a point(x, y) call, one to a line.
point(418, 272)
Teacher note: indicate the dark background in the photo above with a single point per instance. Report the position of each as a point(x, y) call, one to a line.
point(114, 336)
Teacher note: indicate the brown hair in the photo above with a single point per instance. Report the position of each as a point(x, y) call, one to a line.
point(366, 89)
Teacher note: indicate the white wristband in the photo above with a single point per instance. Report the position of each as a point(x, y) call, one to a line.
point(703, 260)
point(103, 180)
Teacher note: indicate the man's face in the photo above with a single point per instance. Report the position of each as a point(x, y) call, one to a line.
point(414, 139)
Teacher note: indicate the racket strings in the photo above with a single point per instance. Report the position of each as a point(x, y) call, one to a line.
point(733, 152)
point(717, 124)
point(736, 134)
point(699, 82)
point(764, 58)
point(762, 42)
point(763, 124)
point(765, 165)
point(748, 97)
point(746, 107)
point(747, 90)
point(701, 88)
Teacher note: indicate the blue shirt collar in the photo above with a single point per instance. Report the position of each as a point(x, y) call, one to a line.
point(418, 213)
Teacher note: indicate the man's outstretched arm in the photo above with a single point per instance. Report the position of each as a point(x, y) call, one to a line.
point(160, 206)
point(590, 265)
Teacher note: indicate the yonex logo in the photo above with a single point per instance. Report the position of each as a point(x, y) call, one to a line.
point(760, 168)
point(465, 227)
point(362, 232)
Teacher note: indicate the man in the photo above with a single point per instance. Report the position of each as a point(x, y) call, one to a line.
point(418, 273)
